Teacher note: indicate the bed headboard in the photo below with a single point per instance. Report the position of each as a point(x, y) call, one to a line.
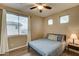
point(63, 35)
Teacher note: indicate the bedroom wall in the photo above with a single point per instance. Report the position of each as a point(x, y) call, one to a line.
point(16, 41)
point(72, 26)
point(36, 27)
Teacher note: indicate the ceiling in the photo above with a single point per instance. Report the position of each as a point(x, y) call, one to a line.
point(56, 7)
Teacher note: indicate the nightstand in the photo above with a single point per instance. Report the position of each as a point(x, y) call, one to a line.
point(73, 47)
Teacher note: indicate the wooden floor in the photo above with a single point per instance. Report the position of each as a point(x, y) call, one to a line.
point(24, 52)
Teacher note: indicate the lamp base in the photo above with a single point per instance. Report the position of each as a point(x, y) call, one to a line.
point(73, 41)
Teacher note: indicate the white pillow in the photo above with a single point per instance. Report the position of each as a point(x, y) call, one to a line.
point(52, 37)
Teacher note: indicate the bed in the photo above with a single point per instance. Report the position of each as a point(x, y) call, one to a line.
point(46, 47)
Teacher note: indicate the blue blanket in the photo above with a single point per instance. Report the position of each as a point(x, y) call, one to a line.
point(45, 47)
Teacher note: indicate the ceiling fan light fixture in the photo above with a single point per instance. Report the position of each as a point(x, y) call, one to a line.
point(40, 7)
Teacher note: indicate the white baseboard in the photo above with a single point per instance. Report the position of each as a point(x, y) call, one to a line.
point(17, 48)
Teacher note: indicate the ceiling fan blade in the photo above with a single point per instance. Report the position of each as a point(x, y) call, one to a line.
point(33, 7)
point(47, 7)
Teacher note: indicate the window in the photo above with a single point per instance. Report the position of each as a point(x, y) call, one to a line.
point(23, 29)
point(50, 21)
point(16, 25)
point(64, 19)
point(12, 24)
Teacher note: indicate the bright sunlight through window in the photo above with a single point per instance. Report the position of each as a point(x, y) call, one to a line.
point(64, 19)
point(50, 21)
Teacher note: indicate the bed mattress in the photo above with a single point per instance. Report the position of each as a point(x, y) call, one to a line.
point(46, 47)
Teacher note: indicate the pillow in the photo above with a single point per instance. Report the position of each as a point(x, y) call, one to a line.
point(59, 38)
point(52, 37)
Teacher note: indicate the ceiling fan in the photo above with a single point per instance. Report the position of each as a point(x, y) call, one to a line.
point(40, 6)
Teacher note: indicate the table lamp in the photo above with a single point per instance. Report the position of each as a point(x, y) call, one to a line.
point(73, 37)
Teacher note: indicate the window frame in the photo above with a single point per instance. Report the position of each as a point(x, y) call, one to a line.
point(49, 20)
point(18, 21)
point(28, 24)
point(62, 16)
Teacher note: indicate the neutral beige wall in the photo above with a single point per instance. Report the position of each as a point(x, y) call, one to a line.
point(17, 41)
point(36, 27)
point(72, 26)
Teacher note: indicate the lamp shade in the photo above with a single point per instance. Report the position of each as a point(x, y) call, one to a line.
point(73, 36)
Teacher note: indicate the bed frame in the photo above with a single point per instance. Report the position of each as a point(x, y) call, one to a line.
point(63, 35)
point(64, 38)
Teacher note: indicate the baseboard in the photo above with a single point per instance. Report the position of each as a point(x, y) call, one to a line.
point(17, 48)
